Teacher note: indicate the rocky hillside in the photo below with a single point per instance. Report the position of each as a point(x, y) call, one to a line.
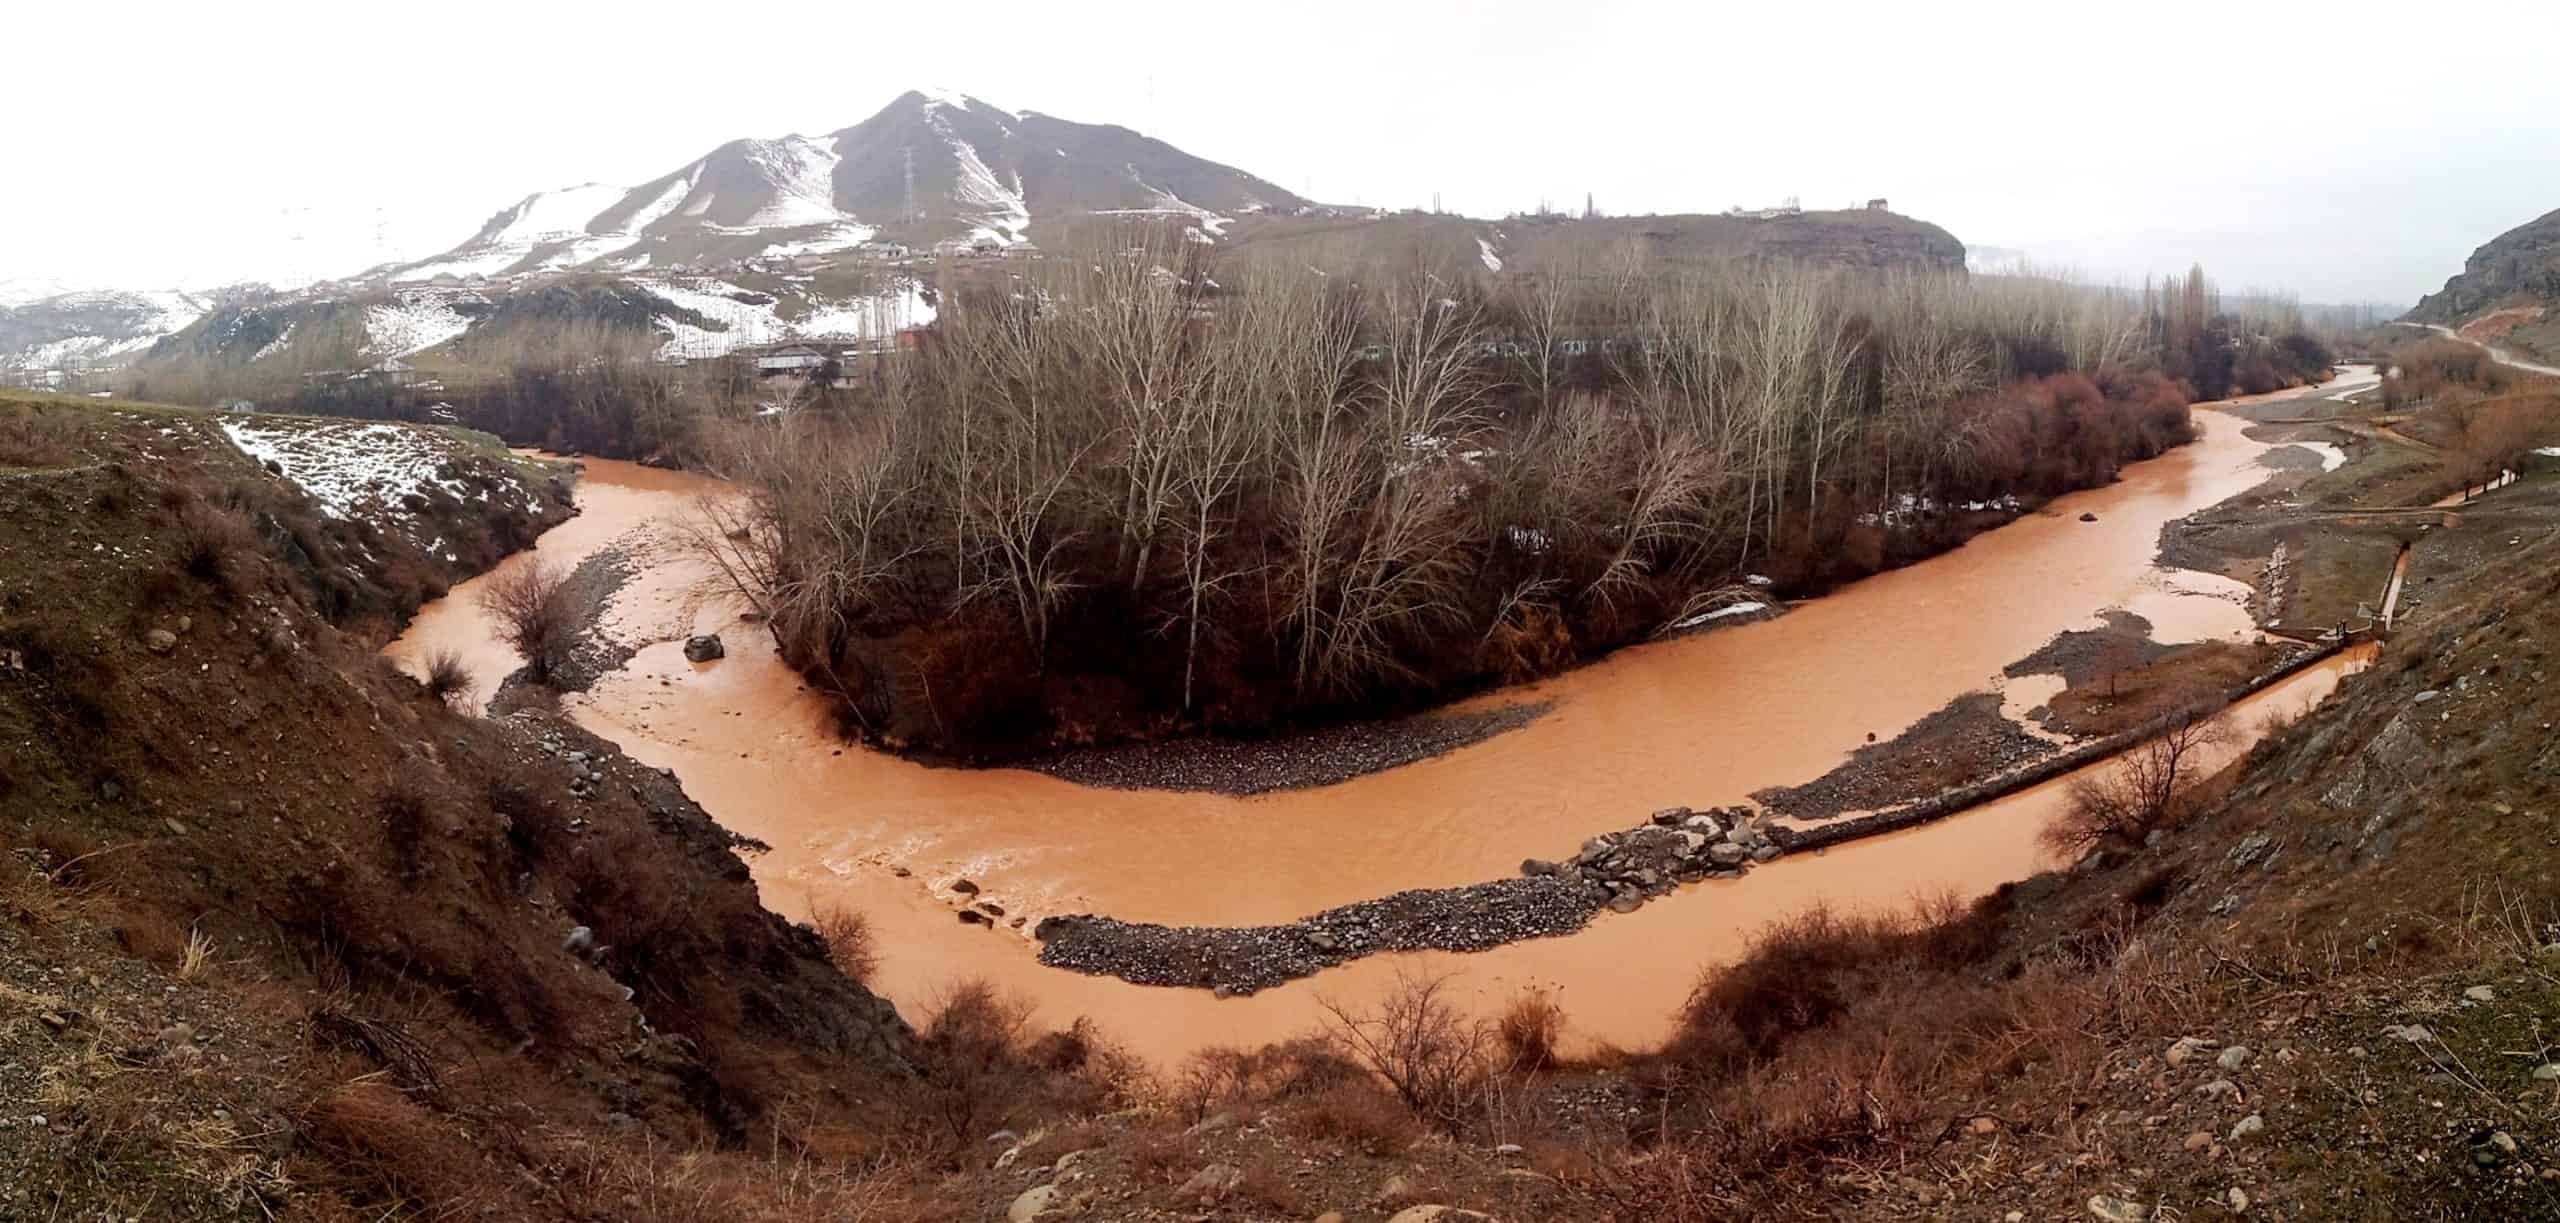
point(2520, 267)
point(287, 935)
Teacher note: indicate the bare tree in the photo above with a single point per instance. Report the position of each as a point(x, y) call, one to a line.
point(2120, 803)
point(1429, 1052)
point(529, 601)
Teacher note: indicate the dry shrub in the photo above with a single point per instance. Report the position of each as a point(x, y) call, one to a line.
point(1429, 1052)
point(849, 943)
point(1264, 1184)
point(32, 436)
point(399, 1152)
point(1529, 1031)
point(1356, 1116)
point(149, 934)
point(406, 821)
point(2118, 804)
point(447, 675)
point(1223, 1078)
point(984, 1068)
point(213, 542)
point(531, 605)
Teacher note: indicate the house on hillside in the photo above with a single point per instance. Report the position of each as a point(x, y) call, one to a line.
point(790, 359)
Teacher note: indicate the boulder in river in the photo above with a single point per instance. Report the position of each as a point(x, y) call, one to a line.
point(704, 647)
point(1726, 853)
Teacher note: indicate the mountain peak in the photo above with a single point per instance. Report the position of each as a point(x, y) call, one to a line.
point(935, 165)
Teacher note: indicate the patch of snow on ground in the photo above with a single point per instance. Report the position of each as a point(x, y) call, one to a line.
point(744, 324)
point(1722, 613)
point(870, 317)
point(412, 322)
point(2332, 457)
point(843, 236)
point(1492, 262)
point(353, 468)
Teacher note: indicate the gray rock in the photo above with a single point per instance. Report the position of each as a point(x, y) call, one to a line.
point(704, 648)
point(1706, 826)
point(2480, 993)
point(1627, 902)
point(2118, 1210)
point(2185, 1047)
point(580, 941)
point(160, 640)
point(1670, 817)
point(1535, 867)
point(1726, 853)
point(1209, 1185)
point(1322, 941)
point(2234, 1057)
point(2249, 1127)
point(2548, 1072)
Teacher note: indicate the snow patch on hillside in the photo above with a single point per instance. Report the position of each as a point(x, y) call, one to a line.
point(746, 324)
point(1001, 214)
point(354, 468)
point(802, 172)
point(743, 323)
point(551, 216)
point(839, 237)
point(277, 344)
point(870, 317)
point(1492, 262)
point(413, 322)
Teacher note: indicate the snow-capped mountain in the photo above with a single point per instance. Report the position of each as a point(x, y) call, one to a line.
point(981, 174)
point(83, 330)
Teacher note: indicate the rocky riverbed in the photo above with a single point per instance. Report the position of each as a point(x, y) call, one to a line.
point(1617, 871)
point(1967, 739)
point(1245, 767)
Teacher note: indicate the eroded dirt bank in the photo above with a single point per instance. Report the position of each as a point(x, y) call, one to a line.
point(1700, 722)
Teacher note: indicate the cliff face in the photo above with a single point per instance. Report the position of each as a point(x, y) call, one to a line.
point(2519, 266)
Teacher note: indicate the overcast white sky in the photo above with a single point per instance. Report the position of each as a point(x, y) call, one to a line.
point(2341, 150)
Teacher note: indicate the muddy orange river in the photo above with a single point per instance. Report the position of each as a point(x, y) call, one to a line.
point(1698, 721)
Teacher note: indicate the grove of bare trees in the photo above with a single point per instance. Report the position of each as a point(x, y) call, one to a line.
point(1132, 491)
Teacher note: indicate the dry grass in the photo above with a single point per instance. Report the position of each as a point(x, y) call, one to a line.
point(35, 436)
point(197, 957)
point(447, 676)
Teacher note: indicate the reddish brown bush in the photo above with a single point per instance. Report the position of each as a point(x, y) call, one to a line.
point(1530, 1030)
point(1356, 1116)
point(400, 1153)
